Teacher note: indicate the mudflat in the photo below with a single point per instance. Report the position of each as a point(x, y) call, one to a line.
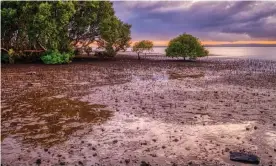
point(123, 111)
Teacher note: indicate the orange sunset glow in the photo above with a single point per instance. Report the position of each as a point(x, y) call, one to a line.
point(165, 43)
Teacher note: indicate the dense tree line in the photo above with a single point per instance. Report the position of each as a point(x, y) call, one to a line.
point(35, 27)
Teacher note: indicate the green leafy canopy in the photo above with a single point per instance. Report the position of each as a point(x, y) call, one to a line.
point(186, 45)
point(60, 25)
point(142, 46)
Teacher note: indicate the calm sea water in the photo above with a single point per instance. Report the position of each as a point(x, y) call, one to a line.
point(264, 53)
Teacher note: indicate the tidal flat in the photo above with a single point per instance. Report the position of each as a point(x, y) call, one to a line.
point(124, 111)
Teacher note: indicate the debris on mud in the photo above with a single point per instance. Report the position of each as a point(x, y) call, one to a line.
point(244, 157)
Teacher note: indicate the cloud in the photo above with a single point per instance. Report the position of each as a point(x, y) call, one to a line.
point(222, 21)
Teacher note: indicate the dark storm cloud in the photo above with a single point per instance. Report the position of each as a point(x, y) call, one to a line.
point(207, 20)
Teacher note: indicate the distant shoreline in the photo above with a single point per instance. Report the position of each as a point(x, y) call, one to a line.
point(235, 45)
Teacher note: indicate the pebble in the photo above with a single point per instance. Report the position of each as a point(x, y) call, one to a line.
point(62, 163)
point(143, 143)
point(175, 140)
point(127, 161)
point(38, 161)
point(143, 163)
point(153, 155)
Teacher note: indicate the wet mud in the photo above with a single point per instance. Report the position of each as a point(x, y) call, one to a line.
point(123, 111)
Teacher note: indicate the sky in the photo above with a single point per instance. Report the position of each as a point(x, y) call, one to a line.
point(217, 22)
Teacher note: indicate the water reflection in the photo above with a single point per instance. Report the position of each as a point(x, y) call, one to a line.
point(39, 119)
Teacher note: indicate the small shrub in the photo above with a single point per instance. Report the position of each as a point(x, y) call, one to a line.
point(142, 46)
point(55, 57)
point(186, 45)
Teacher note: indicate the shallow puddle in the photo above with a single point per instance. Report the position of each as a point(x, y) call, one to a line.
point(38, 119)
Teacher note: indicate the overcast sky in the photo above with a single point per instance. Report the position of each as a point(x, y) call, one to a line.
point(209, 21)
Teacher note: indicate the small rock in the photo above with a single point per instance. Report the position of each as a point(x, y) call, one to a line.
point(154, 140)
point(30, 84)
point(175, 140)
point(153, 155)
point(95, 154)
point(127, 161)
point(82, 142)
point(38, 161)
point(163, 147)
point(94, 148)
point(31, 73)
point(62, 163)
point(80, 163)
point(173, 164)
point(143, 143)
point(274, 124)
point(115, 141)
point(255, 127)
point(45, 150)
point(89, 144)
point(190, 163)
point(247, 128)
point(143, 163)
point(227, 149)
point(245, 158)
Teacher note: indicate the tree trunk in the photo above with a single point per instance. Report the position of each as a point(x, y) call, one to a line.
point(139, 57)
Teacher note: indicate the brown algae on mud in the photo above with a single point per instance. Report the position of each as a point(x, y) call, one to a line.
point(38, 119)
point(173, 75)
